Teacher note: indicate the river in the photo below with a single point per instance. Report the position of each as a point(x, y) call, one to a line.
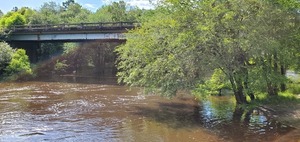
point(103, 111)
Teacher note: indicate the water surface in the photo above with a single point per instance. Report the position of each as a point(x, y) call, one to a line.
point(62, 111)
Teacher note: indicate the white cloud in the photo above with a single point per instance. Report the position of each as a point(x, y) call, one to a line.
point(146, 4)
point(89, 6)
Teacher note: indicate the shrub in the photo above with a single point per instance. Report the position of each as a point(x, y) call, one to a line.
point(214, 85)
point(294, 88)
point(60, 67)
point(6, 53)
point(19, 63)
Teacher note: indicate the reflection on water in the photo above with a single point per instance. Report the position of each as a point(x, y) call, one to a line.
point(237, 124)
point(91, 111)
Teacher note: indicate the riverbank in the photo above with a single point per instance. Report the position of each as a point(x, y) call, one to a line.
point(287, 113)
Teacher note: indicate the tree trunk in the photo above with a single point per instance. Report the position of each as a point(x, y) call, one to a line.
point(239, 94)
point(272, 84)
point(283, 72)
point(249, 91)
point(272, 89)
point(237, 115)
point(237, 87)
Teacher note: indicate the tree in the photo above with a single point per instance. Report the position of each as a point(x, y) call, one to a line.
point(15, 9)
point(1, 14)
point(12, 18)
point(184, 40)
point(75, 13)
point(28, 14)
point(214, 85)
point(47, 50)
point(117, 12)
point(101, 15)
point(157, 57)
point(49, 13)
point(6, 53)
point(67, 3)
point(19, 63)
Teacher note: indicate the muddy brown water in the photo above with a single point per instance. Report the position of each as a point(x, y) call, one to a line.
point(103, 111)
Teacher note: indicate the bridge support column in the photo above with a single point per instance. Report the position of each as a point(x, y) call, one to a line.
point(30, 47)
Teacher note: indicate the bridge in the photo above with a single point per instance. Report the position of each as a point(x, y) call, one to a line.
point(30, 37)
point(70, 32)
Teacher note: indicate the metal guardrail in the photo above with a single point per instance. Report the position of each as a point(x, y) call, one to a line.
point(69, 27)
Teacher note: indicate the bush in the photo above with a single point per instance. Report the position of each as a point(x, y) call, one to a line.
point(11, 19)
point(214, 85)
point(6, 53)
point(19, 64)
point(61, 67)
point(294, 88)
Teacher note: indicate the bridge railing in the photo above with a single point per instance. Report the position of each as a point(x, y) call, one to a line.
point(76, 26)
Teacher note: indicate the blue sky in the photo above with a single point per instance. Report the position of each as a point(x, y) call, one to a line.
point(93, 5)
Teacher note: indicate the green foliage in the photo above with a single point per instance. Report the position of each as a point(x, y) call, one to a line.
point(48, 50)
point(116, 12)
point(101, 15)
point(19, 64)
point(1, 14)
point(153, 59)
point(289, 4)
point(69, 48)
point(70, 12)
point(29, 14)
point(214, 85)
point(49, 13)
point(60, 66)
point(67, 3)
point(6, 53)
point(294, 88)
point(294, 84)
point(74, 13)
point(180, 42)
point(12, 18)
point(283, 98)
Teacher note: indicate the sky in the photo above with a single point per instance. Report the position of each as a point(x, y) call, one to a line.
point(93, 5)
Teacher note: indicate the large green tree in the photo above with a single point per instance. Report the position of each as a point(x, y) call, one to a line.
point(183, 41)
point(74, 13)
point(117, 12)
point(49, 13)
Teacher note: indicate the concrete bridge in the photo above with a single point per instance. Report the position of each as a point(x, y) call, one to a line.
point(70, 32)
point(30, 37)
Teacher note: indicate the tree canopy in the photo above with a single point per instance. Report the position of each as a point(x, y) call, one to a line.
point(70, 12)
point(178, 46)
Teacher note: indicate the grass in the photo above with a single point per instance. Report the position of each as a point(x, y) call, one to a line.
point(284, 99)
point(294, 88)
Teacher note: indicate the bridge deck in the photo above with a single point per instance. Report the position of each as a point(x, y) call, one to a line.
point(89, 27)
point(71, 32)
